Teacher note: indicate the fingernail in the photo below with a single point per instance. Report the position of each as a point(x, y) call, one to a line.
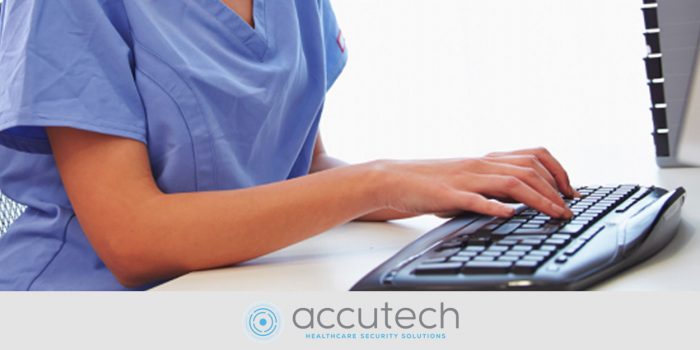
point(509, 211)
point(574, 193)
point(563, 212)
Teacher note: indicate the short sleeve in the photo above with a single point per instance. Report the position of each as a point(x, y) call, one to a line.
point(336, 51)
point(66, 63)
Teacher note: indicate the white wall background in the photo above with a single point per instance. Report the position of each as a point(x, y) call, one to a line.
point(450, 78)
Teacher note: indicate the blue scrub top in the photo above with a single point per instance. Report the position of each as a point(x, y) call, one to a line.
point(220, 105)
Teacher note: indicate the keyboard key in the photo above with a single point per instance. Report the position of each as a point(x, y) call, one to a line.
point(549, 248)
point(517, 253)
point(469, 254)
point(444, 253)
point(540, 252)
point(582, 221)
point(524, 267)
point(508, 242)
point(521, 237)
point(474, 249)
point(490, 227)
point(508, 258)
point(623, 208)
point(505, 229)
point(497, 248)
point(460, 258)
point(483, 258)
point(536, 258)
point(571, 250)
point(555, 241)
point(571, 228)
point(434, 260)
point(479, 241)
point(561, 236)
point(642, 194)
point(438, 269)
point(474, 267)
point(590, 233)
point(490, 253)
point(531, 241)
point(450, 245)
point(544, 230)
point(522, 248)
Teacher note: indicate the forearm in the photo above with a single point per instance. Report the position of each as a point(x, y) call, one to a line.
point(177, 233)
point(324, 162)
point(143, 235)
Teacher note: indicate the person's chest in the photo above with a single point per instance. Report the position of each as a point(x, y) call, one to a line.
point(228, 103)
point(244, 9)
point(208, 37)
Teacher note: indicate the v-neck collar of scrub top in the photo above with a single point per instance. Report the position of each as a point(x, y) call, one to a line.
point(255, 39)
point(218, 104)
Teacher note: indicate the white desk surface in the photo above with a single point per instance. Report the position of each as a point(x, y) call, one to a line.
point(335, 260)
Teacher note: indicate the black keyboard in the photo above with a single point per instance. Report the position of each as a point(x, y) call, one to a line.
point(613, 227)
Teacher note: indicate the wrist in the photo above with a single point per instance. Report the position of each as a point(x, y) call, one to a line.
point(376, 179)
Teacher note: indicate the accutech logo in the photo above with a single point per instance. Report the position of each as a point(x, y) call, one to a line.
point(263, 322)
point(380, 323)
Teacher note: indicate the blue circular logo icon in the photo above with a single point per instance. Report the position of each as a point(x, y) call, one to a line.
point(263, 322)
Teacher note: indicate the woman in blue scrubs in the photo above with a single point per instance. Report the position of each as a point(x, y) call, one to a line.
point(149, 139)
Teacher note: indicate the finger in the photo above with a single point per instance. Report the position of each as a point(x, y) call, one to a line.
point(528, 175)
point(477, 203)
point(550, 167)
point(447, 214)
point(510, 186)
point(529, 161)
point(554, 167)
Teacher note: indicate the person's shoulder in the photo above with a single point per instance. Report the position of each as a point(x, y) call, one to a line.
point(40, 19)
point(63, 6)
point(46, 10)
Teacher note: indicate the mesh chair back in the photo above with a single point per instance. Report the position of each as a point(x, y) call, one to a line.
point(9, 212)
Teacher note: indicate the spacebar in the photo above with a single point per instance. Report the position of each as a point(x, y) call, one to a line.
point(486, 267)
point(437, 268)
point(545, 230)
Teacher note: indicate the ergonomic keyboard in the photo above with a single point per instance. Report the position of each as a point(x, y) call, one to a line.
point(613, 228)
